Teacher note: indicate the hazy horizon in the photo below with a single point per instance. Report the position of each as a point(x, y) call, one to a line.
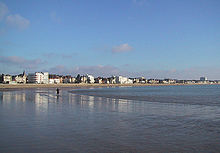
point(150, 38)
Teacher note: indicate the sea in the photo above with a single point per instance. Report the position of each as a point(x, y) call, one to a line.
point(144, 119)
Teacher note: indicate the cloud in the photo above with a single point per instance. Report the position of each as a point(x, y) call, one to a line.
point(122, 48)
point(17, 21)
point(8, 43)
point(96, 70)
point(65, 56)
point(20, 62)
point(192, 73)
point(107, 70)
point(59, 55)
point(15, 63)
point(14, 20)
point(59, 69)
point(3, 10)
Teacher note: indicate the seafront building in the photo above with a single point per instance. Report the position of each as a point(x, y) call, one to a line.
point(99, 80)
point(21, 78)
point(54, 79)
point(45, 78)
point(6, 79)
point(186, 81)
point(203, 79)
point(123, 80)
point(90, 78)
point(38, 77)
point(67, 79)
point(84, 79)
point(169, 81)
point(153, 81)
point(112, 80)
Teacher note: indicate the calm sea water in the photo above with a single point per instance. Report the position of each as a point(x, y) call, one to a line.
point(120, 119)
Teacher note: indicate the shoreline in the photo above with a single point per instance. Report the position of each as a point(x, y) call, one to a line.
point(23, 86)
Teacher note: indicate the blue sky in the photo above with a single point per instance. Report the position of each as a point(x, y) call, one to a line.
point(151, 38)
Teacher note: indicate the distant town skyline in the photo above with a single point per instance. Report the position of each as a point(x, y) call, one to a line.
point(46, 78)
point(150, 38)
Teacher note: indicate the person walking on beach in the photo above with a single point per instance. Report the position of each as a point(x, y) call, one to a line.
point(58, 91)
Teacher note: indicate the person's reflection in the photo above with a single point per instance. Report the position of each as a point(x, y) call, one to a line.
point(58, 97)
point(1, 96)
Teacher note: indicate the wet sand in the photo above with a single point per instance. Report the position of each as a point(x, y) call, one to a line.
point(16, 86)
point(178, 119)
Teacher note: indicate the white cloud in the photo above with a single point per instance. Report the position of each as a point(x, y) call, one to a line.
point(122, 48)
point(20, 62)
point(96, 70)
point(17, 21)
point(108, 70)
point(59, 55)
point(3, 10)
point(14, 20)
point(192, 73)
point(60, 69)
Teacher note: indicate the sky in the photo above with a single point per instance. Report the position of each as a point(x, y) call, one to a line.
point(150, 38)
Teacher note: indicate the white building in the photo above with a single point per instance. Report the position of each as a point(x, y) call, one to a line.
point(203, 78)
point(38, 77)
point(169, 81)
point(67, 79)
point(73, 80)
point(21, 78)
point(90, 79)
point(7, 79)
point(98, 80)
point(112, 80)
point(123, 80)
point(54, 80)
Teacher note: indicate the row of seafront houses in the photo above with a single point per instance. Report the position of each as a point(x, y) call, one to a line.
point(46, 78)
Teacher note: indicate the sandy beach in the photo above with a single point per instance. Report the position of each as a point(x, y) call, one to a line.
point(16, 86)
point(137, 119)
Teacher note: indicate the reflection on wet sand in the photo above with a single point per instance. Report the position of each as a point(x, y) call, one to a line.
point(42, 98)
point(13, 96)
point(37, 97)
point(41, 120)
point(103, 104)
